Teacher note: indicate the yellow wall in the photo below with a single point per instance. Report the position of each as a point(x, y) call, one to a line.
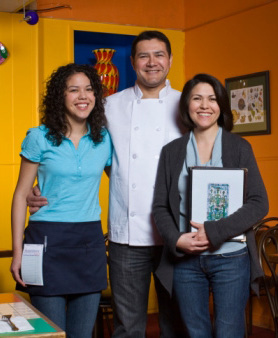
point(233, 45)
point(35, 51)
point(19, 101)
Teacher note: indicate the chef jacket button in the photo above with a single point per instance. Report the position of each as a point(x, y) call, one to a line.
point(160, 101)
point(138, 101)
point(157, 128)
point(133, 185)
point(134, 156)
point(136, 128)
point(132, 214)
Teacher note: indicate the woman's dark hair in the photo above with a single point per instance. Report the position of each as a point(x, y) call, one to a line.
point(149, 35)
point(53, 103)
point(225, 119)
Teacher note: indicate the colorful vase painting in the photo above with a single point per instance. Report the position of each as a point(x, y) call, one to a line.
point(106, 69)
point(3, 53)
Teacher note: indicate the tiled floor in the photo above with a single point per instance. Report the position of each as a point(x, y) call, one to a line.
point(152, 330)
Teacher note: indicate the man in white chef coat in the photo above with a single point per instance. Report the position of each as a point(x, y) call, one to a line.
point(141, 120)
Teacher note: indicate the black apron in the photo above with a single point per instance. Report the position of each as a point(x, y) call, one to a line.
point(74, 259)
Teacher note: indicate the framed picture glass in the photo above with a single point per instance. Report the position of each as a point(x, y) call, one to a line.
point(215, 193)
point(249, 99)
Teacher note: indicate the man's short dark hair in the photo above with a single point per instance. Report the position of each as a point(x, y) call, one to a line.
point(149, 35)
point(225, 119)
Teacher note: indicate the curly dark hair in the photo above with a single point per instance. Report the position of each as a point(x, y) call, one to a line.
point(225, 119)
point(53, 108)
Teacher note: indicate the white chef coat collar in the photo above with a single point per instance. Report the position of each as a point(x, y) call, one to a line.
point(164, 91)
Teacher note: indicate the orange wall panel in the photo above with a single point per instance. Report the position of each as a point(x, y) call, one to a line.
point(155, 13)
point(199, 12)
point(238, 45)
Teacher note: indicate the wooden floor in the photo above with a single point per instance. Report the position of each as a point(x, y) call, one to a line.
point(153, 330)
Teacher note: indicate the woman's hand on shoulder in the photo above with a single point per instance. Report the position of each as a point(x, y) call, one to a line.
point(188, 243)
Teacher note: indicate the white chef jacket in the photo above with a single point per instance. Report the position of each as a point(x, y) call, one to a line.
point(139, 128)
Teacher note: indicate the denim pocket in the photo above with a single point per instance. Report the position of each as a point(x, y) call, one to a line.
point(237, 253)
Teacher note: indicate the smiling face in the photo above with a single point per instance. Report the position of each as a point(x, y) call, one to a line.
point(79, 98)
point(204, 110)
point(151, 64)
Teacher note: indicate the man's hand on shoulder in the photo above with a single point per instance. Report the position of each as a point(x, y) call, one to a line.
point(35, 201)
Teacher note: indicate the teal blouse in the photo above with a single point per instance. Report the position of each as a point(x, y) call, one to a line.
point(69, 178)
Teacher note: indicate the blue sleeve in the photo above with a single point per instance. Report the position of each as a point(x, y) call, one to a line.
point(30, 147)
point(110, 145)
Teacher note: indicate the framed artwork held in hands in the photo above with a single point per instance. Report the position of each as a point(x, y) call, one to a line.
point(216, 193)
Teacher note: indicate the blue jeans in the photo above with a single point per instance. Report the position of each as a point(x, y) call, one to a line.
point(228, 277)
point(130, 269)
point(75, 314)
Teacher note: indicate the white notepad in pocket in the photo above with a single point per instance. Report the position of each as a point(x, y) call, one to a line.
point(31, 264)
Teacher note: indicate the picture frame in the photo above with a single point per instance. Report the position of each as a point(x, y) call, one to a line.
point(249, 100)
point(216, 193)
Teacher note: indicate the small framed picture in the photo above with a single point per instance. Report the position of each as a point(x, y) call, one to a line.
point(249, 99)
point(215, 193)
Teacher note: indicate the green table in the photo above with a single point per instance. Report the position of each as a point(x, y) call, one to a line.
point(43, 327)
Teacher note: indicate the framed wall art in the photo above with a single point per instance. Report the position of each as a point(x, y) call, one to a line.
point(249, 99)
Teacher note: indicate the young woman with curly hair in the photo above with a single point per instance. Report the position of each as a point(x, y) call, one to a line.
point(67, 153)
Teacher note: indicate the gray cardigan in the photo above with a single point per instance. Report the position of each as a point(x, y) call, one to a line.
point(236, 153)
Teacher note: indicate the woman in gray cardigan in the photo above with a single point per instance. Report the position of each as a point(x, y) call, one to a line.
point(193, 263)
